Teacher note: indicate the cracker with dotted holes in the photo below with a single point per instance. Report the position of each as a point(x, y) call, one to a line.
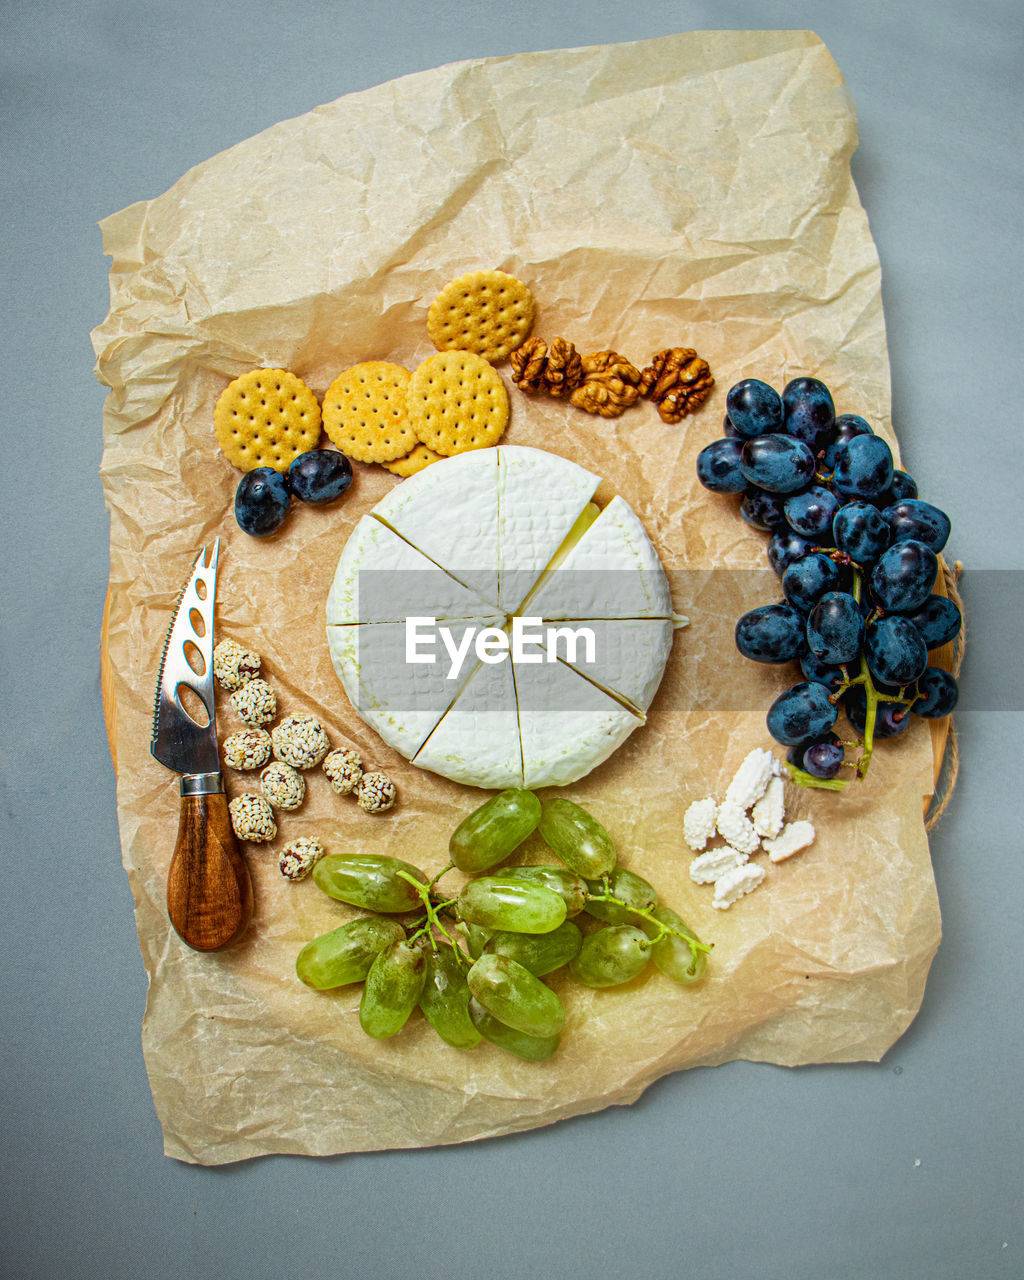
point(420, 457)
point(489, 312)
point(365, 412)
point(457, 401)
point(266, 418)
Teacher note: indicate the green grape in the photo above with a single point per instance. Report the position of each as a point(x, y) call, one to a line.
point(628, 886)
point(515, 997)
point(392, 990)
point(476, 938)
point(671, 954)
point(541, 953)
point(445, 999)
point(489, 834)
point(573, 888)
point(504, 902)
point(611, 956)
point(532, 1048)
point(577, 838)
point(345, 954)
point(369, 880)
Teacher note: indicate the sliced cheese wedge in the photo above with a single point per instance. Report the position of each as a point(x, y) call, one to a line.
point(540, 500)
point(403, 701)
point(567, 725)
point(629, 656)
point(449, 512)
point(612, 571)
point(477, 740)
point(383, 578)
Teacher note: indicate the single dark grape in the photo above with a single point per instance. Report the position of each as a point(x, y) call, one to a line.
point(765, 511)
point(835, 629)
point(771, 633)
point(261, 502)
point(903, 486)
point(319, 476)
point(863, 467)
point(718, 467)
point(939, 693)
point(811, 513)
point(826, 673)
point(891, 718)
point(903, 576)
point(800, 714)
point(938, 620)
point(810, 414)
point(912, 518)
point(795, 755)
point(823, 759)
point(754, 408)
point(848, 425)
point(806, 580)
point(895, 650)
point(778, 463)
point(729, 430)
point(861, 531)
point(784, 547)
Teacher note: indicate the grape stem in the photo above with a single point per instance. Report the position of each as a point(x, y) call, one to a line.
point(694, 943)
point(433, 909)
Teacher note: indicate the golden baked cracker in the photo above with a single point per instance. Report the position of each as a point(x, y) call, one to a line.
point(266, 418)
point(420, 457)
point(489, 312)
point(457, 401)
point(365, 412)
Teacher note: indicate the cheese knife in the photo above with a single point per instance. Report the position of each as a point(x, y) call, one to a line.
point(209, 890)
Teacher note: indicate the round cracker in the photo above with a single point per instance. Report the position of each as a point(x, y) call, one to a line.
point(266, 418)
point(364, 412)
point(457, 402)
point(489, 312)
point(420, 458)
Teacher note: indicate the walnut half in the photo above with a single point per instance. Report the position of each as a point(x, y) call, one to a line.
point(555, 369)
point(610, 384)
point(678, 381)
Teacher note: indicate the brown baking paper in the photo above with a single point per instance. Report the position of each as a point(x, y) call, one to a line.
point(693, 190)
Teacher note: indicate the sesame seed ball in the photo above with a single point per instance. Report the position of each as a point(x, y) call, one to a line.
point(234, 665)
point(252, 819)
point(300, 857)
point(282, 786)
point(249, 749)
point(344, 769)
point(255, 703)
point(301, 741)
point(376, 793)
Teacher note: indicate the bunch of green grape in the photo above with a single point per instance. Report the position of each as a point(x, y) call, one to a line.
point(474, 963)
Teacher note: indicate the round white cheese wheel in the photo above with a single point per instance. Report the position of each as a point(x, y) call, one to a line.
point(495, 626)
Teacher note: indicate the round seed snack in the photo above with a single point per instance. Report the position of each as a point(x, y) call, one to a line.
point(457, 402)
point(365, 412)
point(299, 858)
point(249, 749)
point(376, 793)
point(252, 819)
point(488, 312)
point(266, 418)
point(344, 769)
point(420, 457)
point(283, 786)
point(301, 741)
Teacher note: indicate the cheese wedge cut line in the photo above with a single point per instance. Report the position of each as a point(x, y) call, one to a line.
point(483, 766)
point(489, 604)
point(590, 513)
point(620, 698)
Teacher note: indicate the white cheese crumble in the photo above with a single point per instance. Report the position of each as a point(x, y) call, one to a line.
point(708, 867)
point(769, 813)
point(736, 829)
point(699, 823)
point(751, 779)
point(794, 837)
point(734, 884)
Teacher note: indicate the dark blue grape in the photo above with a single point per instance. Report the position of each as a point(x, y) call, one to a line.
point(891, 718)
point(800, 714)
point(810, 414)
point(319, 476)
point(729, 430)
point(771, 633)
point(261, 502)
point(784, 547)
point(939, 693)
point(863, 467)
point(903, 486)
point(806, 581)
point(848, 425)
point(835, 629)
point(811, 513)
point(912, 518)
point(763, 510)
point(938, 620)
point(778, 463)
point(795, 755)
point(754, 408)
point(903, 576)
point(718, 467)
point(824, 759)
point(861, 531)
point(895, 650)
point(826, 673)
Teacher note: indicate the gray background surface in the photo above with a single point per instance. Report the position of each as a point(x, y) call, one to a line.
point(909, 1168)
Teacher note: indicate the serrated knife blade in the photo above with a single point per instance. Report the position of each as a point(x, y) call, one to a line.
point(209, 890)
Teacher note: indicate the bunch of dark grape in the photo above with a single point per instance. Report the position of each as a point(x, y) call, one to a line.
point(857, 553)
point(474, 962)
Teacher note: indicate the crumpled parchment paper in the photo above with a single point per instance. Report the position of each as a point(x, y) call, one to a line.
point(693, 190)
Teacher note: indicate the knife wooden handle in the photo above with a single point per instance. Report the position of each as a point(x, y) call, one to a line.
point(209, 890)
